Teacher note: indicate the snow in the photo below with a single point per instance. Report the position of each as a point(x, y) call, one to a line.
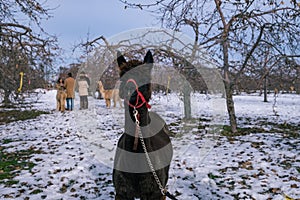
point(77, 149)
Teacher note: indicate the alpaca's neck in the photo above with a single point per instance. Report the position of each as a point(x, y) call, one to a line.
point(130, 124)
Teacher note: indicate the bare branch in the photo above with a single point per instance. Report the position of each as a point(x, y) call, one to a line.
point(141, 6)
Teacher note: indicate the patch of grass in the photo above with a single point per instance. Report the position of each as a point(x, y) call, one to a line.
point(37, 191)
point(241, 131)
point(212, 176)
point(7, 116)
point(10, 182)
point(8, 106)
point(7, 141)
point(289, 130)
point(13, 162)
point(298, 169)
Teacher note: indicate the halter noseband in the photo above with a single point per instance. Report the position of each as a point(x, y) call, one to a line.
point(139, 96)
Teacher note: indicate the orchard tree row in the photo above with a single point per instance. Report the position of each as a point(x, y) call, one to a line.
point(253, 38)
point(26, 50)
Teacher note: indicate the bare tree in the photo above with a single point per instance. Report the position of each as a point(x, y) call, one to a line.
point(24, 45)
point(232, 30)
point(170, 50)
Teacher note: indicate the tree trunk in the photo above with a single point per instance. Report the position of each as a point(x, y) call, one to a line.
point(228, 83)
point(6, 100)
point(265, 90)
point(187, 103)
point(230, 107)
point(297, 81)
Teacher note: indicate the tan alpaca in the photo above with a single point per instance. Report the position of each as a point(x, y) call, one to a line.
point(110, 94)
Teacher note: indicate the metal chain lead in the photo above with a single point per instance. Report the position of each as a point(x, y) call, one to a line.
point(137, 122)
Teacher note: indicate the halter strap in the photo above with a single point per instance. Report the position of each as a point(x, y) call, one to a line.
point(139, 96)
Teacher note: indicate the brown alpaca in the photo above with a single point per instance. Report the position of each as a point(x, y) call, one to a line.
point(132, 177)
point(110, 94)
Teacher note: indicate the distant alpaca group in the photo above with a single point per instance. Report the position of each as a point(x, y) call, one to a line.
point(109, 94)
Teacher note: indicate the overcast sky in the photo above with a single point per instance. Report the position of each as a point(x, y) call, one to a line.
point(73, 19)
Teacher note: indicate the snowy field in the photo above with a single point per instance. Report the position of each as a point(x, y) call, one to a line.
point(76, 149)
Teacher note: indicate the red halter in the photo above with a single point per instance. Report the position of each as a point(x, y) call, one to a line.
point(139, 96)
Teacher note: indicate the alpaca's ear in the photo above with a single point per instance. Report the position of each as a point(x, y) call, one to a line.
point(120, 58)
point(148, 58)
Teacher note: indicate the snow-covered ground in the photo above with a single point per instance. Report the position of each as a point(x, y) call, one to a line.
point(77, 149)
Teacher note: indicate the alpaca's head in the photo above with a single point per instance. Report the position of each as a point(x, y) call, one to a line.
point(140, 72)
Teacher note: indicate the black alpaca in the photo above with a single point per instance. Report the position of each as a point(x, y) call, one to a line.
point(132, 176)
